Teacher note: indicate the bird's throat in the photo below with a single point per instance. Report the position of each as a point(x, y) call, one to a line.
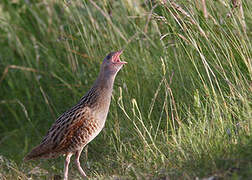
point(105, 82)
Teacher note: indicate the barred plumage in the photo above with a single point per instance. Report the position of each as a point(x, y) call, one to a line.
point(79, 125)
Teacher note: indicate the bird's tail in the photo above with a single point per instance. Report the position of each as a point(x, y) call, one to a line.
point(38, 152)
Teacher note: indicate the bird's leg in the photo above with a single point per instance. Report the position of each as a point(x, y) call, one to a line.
point(77, 162)
point(67, 161)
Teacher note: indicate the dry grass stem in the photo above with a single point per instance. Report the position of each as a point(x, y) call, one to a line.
point(204, 8)
point(238, 4)
point(47, 102)
point(242, 17)
point(108, 19)
point(148, 19)
point(178, 8)
point(6, 70)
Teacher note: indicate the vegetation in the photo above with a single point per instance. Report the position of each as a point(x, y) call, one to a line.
point(181, 107)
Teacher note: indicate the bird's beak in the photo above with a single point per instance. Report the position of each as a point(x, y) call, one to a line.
point(116, 57)
point(119, 52)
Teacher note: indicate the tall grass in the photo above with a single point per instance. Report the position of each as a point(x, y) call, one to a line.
point(181, 108)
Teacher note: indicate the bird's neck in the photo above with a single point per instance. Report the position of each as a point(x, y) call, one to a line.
point(100, 94)
point(105, 82)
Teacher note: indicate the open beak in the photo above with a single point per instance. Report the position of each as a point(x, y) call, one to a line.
point(116, 57)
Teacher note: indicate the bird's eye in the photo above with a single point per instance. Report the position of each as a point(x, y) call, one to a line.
point(109, 56)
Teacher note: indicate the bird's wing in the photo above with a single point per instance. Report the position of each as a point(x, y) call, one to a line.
point(71, 129)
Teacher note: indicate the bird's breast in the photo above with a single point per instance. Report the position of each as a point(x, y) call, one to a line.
point(101, 115)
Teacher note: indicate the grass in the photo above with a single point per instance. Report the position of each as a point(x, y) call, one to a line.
point(181, 108)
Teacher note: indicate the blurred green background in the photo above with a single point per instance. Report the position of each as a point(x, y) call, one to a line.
point(181, 107)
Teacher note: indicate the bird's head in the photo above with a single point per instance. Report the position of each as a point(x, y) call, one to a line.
point(112, 63)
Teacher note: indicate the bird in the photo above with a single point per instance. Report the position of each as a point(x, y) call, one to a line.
point(79, 125)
